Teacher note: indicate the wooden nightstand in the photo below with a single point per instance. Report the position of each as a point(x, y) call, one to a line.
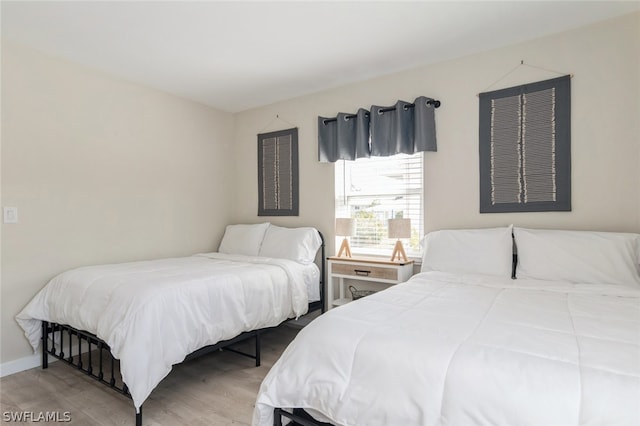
point(366, 269)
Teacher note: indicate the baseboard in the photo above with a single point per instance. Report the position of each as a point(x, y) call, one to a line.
point(21, 364)
point(35, 360)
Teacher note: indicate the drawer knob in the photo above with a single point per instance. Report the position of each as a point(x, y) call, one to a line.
point(362, 272)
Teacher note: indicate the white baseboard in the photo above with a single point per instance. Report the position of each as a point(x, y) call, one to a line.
point(21, 364)
point(32, 361)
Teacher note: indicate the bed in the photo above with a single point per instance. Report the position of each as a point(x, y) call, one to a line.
point(147, 316)
point(462, 342)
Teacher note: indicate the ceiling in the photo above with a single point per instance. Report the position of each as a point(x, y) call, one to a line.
point(238, 55)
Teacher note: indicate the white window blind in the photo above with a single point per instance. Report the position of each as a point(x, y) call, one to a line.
point(373, 190)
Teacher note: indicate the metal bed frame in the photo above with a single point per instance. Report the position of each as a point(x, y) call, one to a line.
point(298, 417)
point(101, 366)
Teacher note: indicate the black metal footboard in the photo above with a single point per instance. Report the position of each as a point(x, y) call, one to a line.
point(298, 417)
point(74, 337)
point(101, 365)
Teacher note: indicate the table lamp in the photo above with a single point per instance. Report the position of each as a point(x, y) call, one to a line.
point(345, 228)
point(399, 228)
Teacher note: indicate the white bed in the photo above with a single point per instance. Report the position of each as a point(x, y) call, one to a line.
point(456, 345)
point(152, 314)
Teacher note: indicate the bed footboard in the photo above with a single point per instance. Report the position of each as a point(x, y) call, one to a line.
point(93, 356)
point(100, 365)
point(297, 416)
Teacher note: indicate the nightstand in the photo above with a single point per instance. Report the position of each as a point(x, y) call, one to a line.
point(365, 269)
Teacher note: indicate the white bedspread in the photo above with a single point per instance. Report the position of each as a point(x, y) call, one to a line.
point(460, 350)
point(154, 313)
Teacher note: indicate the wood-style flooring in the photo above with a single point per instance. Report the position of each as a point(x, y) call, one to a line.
point(217, 389)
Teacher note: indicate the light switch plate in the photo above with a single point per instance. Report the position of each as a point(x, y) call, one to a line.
point(10, 215)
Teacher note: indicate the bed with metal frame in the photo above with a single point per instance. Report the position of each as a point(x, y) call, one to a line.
point(101, 365)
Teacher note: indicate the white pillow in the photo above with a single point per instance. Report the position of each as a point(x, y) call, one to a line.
point(578, 256)
point(243, 239)
point(299, 244)
point(469, 251)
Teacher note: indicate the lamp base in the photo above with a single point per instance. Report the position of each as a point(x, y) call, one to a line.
point(398, 252)
point(345, 248)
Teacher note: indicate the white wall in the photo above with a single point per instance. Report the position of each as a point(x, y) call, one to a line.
point(101, 171)
point(604, 61)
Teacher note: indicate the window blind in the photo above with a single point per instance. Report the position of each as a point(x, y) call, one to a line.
point(373, 190)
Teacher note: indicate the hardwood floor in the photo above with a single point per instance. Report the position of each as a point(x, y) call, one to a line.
point(218, 389)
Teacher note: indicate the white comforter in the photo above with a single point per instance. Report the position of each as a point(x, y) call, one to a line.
point(154, 313)
point(460, 350)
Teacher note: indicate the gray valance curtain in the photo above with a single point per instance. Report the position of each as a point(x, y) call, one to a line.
point(345, 137)
point(384, 131)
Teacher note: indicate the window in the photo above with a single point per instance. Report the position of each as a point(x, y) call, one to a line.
point(373, 190)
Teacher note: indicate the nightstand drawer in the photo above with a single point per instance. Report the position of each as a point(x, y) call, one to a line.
point(367, 271)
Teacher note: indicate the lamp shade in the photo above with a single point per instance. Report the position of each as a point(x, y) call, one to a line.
point(345, 226)
point(399, 228)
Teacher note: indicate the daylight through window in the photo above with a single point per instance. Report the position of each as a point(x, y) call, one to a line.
point(373, 190)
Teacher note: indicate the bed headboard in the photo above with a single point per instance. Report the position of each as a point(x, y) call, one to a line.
point(321, 262)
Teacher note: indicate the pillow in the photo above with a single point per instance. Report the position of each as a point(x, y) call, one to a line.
point(243, 239)
point(578, 256)
point(299, 244)
point(469, 251)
